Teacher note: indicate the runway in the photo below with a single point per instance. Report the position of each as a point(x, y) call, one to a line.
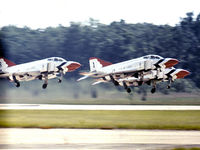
point(14, 138)
point(96, 107)
point(80, 139)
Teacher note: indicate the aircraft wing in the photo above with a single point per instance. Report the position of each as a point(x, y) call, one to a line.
point(82, 78)
point(7, 73)
point(25, 76)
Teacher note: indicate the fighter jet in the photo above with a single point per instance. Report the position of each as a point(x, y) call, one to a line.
point(153, 77)
point(134, 67)
point(54, 67)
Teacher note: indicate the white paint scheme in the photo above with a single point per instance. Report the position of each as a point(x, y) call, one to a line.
point(145, 63)
point(42, 69)
point(133, 65)
point(147, 69)
point(153, 75)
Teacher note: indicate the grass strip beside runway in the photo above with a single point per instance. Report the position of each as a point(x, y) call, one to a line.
point(105, 119)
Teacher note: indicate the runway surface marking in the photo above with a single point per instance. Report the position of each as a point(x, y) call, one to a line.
point(96, 138)
point(96, 107)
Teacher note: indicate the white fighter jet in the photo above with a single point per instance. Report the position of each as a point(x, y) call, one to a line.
point(105, 71)
point(153, 77)
point(42, 69)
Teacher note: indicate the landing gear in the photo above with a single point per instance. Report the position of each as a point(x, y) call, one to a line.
point(59, 80)
point(141, 78)
point(40, 77)
point(114, 81)
point(128, 90)
point(44, 86)
point(17, 84)
point(169, 85)
point(153, 90)
point(61, 76)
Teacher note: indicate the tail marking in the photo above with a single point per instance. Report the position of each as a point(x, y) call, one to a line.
point(96, 63)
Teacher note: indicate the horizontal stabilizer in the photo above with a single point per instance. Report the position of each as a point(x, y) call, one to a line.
point(82, 78)
point(87, 73)
point(97, 82)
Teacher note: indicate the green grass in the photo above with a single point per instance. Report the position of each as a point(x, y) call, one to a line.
point(180, 120)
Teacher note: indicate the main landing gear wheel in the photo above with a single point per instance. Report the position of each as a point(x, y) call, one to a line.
point(59, 80)
point(17, 84)
point(153, 90)
point(44, 86)
point(168, 87)
point(128, 90)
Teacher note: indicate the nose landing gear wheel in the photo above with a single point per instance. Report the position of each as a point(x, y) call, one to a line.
point(128, 90)
point(168, 87)
point(17, 84)
point(153, 90)
point(44, 86)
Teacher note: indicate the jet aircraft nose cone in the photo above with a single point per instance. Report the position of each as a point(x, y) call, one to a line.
point(182, 74)
point(73, 66)
point(171, 62)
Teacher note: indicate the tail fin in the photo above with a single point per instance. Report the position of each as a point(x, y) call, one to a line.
point(96, 63)
point(4, 63)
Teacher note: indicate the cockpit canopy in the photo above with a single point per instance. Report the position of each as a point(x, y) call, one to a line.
point(152, 57)
point(56, 59)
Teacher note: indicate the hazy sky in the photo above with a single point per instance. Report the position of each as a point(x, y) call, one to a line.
point(44, 13)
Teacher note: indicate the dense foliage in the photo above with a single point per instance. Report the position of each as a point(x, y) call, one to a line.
point(116, 42)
